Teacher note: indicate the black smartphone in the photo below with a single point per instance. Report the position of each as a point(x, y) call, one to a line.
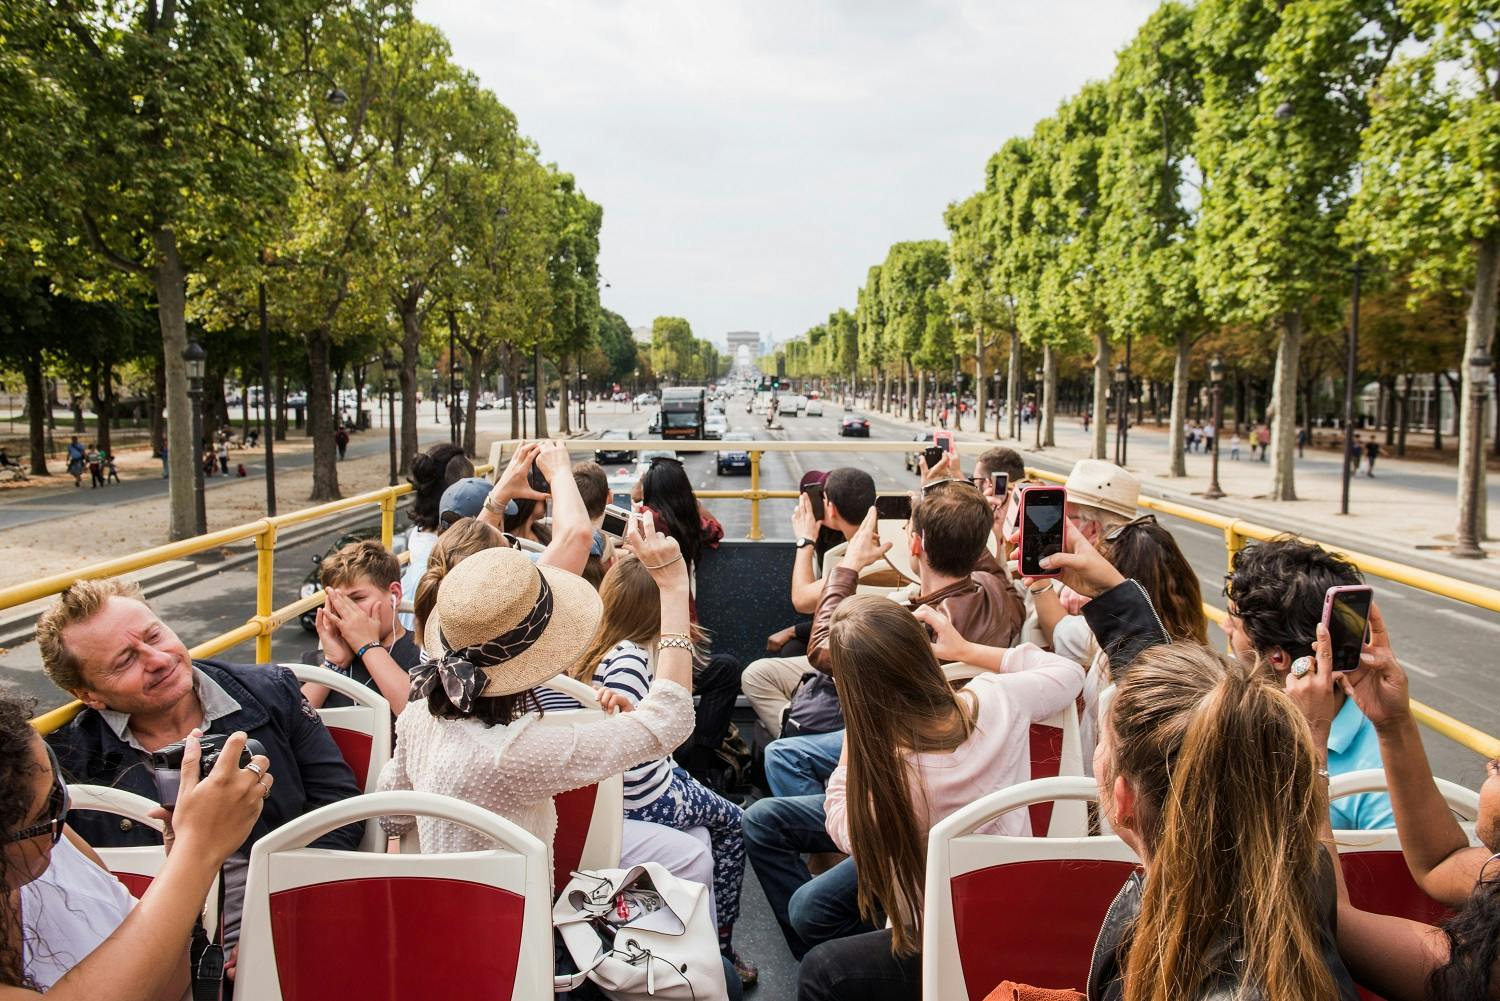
point(1001, 481)
point(616, 520)
point(933, 454)
point(814, 493)
point(537, 481)
point(893, 507)
point(1043, 522)
point(1346, 613)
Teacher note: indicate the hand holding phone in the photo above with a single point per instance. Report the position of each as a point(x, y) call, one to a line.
point(616, 521)
point(932, 455)
point(1346, 615)
point(1042, 527)
point(537, 481)
point(944, 440)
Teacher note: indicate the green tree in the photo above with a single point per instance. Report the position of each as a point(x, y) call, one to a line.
point(574, 271)
point(671, 347)
point(869, 317)
point(843, 336)
point(976, 309)
point(619, 346)
point(911, 270)
point(1014, 183)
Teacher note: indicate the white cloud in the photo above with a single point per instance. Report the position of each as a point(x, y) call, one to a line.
point(754, 158)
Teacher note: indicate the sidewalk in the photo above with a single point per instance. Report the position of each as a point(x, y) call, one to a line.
point(1406, 513)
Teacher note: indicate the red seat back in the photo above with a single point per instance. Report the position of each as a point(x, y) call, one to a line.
point(1032, 922)
point(135, 882)
point(1380, 882)
point(575, 813)
point(1046, 762)
point(355, 747)
point(377, 939)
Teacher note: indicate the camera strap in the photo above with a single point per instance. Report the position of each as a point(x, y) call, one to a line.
point(206, 955)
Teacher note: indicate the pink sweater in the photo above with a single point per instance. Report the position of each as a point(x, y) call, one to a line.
point(1033, 685)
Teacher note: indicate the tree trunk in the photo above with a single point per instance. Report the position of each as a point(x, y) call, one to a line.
point(1477, 335)
point(157, 397)
point(1284, 405)
point(280, 400)
point(981, 395)
point(475, 376)
point(1404, 413)
point(1388, 412)
point(1049, 394)
point(1013, 386)
point(169, 278)
point(541, 394)
point(1099, 448)
point(922, 394)
point(245, 399)
point(358, 374)
point(564, 421)
point(513, 387)
point(1178, 417)
point(36, 410)
point(1437, 411)
point(411, 340)
point(1496, 397)
point(320, 418)
point(103, 378)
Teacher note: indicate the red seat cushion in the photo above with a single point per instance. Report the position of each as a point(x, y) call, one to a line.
point(381, 939)
point(575, 814)
point(1381, 883)
point(355, 747)
point(135, 882)
point(1032, 922)
point(1046, 762)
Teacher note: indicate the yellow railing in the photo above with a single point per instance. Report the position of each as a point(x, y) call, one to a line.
point(266, 619)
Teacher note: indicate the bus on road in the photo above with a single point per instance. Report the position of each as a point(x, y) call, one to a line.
point(683, 412)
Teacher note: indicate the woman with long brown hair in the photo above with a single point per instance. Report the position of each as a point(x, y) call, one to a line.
point(914, 752)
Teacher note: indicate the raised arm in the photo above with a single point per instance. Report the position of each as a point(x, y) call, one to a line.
point(864, 549)
point(807, 587)
point(572, 531)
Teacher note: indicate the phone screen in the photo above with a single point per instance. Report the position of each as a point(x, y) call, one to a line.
point(1042, 525)
point(537, 481)
point(1001, 482)
point(933, 454)
point(943, 440)
point(1348, 619)
point(893, 507)
point(615, 521)
point(814, 493)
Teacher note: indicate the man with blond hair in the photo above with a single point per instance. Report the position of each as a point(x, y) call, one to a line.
point(142, 691)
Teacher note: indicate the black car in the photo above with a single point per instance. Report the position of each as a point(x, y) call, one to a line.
point(608, 453)
point(922, 438)
point(854, 426)
point(311, 584)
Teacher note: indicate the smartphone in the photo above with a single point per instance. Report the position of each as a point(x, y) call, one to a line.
point(1346, 613)
point(943, 440)
point(933, 454)
point(616, 520)
point(893, 507)
point(1043, 521)
point(537, 481)
point(814, 493)
point(1001, 482)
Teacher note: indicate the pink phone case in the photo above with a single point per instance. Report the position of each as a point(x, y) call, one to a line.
point(1333, 592)
point(1021, 520)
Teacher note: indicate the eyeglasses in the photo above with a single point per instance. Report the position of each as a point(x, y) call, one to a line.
point(58, 805)
point(1119, 530)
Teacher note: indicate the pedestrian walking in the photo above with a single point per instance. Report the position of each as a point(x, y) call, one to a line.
point(1207, 435)
point(1264, 437)
point(1372, 452)
point(96, 469)
point(166, 470)
point(341, 439)
point(76, 454)
point(109, 467)
point(224, 456)
point(1301, 441)
point(1086, 417)
point(1234, 447)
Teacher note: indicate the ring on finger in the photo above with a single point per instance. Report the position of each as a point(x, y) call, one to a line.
point(257, 769)
point(1302, 666)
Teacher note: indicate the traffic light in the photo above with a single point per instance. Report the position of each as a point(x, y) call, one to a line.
point(775, 382)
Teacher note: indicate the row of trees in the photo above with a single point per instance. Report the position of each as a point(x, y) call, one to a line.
point(678, 356)
point(317, 170)
point(1211, 199)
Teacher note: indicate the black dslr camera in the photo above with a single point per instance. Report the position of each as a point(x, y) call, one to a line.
point(167, 763)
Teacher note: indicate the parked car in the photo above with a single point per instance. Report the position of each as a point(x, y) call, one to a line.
point(854, 426)
point(608, 453)
point(923, 439)
point(814, 408)
point(715, 426)
point(650, 455)
point(734, 459)
point(311, 585)
point(646, 399)
point(791, 404)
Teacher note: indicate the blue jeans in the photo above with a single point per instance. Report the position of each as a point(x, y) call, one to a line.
point(778, 831)
point(800, 766)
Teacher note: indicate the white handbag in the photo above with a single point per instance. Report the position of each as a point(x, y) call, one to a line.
point(640, 933)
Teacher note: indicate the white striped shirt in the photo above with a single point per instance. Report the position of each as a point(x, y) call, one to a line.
point(627, 669)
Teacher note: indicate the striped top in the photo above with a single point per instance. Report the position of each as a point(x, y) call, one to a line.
point(627, 670)
point(553, 701)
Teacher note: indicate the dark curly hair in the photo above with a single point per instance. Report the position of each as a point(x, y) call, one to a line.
point(432, 472)
point(1473, 947)
point(16, 769)
point(1277, 588)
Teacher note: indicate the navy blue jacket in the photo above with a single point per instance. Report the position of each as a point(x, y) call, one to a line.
point(310, 772)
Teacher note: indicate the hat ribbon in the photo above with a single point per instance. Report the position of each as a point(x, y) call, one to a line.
point(461, 671)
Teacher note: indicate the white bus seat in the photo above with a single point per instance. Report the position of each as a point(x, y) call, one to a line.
point(361, 731)
point(320, 923)
point(591, 819)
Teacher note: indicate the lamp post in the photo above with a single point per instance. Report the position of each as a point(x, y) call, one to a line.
point(1036, 418)
point(635, 390)
point(1122, 407)
point(1468, 547)
point(193, 358)
point(453, 429)
point(392, 370)
point(583, 399)
point(436, 388)
point(263, 411)
point(1216, 379)
point(458, 415)
point(1350, 461)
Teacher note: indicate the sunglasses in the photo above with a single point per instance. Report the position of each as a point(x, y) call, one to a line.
point(58, 804)
point(1119, 530)
point(664, 458)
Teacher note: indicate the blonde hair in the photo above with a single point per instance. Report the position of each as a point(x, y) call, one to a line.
point(79, 603)
point(461, 540)
point(632, 612)
point(366, 560)
point(1228, 805)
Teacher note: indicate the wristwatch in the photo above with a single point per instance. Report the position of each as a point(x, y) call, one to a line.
point(804, 542)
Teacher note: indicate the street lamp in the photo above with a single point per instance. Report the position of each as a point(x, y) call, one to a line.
point(583, 399)
point(392, 369)
point(456, 418)
point(1351, 460)
point(436, 386)
point(194, 358)
point(1468, 547)
point(635, 390)
point(1036, 418)
point(1216, 379)
point(1122, 405)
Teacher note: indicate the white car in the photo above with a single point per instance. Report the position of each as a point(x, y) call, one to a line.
point(646, 400)
point(715, 426)
point(791, 404)
point(814, 408)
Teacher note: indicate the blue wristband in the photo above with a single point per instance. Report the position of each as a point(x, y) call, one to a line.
point(360, 653)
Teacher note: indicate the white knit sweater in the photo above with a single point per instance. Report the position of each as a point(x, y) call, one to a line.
point(515, 770)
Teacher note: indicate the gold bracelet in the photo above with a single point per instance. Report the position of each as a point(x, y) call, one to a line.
point(680, 641)
point(661, 566)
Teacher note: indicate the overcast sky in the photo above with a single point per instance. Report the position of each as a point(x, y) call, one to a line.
point(755, 158)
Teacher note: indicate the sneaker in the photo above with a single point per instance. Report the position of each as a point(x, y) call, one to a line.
point(748, 972)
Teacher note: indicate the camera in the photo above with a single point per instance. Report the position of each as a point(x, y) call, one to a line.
point(167, 763)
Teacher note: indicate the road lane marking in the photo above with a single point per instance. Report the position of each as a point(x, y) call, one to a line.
point(1424, 672)
point(1467, 618)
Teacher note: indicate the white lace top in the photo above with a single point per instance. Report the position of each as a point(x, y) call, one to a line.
point(515, 770)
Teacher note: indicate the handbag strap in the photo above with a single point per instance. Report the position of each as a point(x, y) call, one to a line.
point(207, 955)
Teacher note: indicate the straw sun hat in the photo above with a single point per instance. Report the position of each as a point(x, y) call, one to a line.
point(503, 625)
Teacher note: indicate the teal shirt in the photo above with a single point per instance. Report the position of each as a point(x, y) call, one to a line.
point(1353, 745)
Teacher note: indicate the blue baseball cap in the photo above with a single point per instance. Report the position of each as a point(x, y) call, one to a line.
point(465, 499)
